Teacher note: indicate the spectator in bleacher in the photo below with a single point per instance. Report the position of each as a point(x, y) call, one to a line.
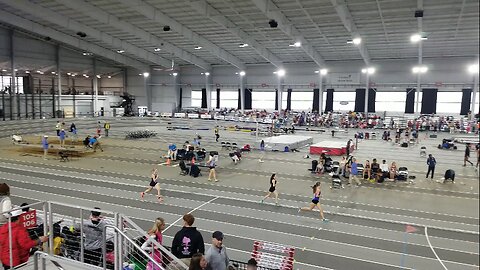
point(93, 231)
point(5, 203)
point(21, 242)
point(155, 233)
point(199, 262)
point(252, 264)
point(188, 240)
point(45, 146)
point(216, 255)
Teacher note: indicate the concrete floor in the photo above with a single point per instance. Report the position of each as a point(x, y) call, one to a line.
point(367, 224)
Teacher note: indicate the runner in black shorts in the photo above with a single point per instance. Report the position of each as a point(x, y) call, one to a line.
point(273, 189)
point(153, 184)
point(315, 202)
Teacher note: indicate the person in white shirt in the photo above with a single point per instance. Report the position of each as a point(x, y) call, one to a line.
point(5, 203)
point(385, 170)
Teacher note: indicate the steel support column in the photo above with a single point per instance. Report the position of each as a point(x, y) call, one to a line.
point(242, 93)
point(280, 92)
point(420, 59)
point(95, 88)
point(367, 86)
point(59, 79)
point(320, 94)
point(474, 96)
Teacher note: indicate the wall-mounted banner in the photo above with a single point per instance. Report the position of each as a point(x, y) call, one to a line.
point(344, 78)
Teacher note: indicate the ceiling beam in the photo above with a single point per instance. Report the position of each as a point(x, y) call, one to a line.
point(205, 9)
point(60, 20)
point(32, 27)
point(272, 12)
point(105, 18)
point(158, 16)
point(347, 20)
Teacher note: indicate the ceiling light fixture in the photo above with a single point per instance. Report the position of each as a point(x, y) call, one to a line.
point(323, 71)
point(98, 76)
point(174, 74)
point(109, 76)
point(419, 69)
point(207, 73)
point(242, 73)
point(198, 47)
point(157, 49)
point(473, 68)
point(280, 72)
point(68, 73)
point(4, 70)
point(120, 51)
point(357, 41)
point(27, 71)
point(243, 45)
point(417, 38)
point(53, 72)
point(146, 74)
point(368, 70)
point(87, 53)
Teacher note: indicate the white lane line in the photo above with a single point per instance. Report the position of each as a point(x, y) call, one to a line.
point(326, 211)
point(194, 209)
point(433, 250)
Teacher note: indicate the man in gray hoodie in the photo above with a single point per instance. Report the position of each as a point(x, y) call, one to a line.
point(93, 231)
point(216, 255)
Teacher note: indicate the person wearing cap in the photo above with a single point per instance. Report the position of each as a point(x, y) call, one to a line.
point(61, 137)
point(93, 230)
point(188, 240)
point(5, 203)
point(21, 242)
point(216, 255)
point(45, 146)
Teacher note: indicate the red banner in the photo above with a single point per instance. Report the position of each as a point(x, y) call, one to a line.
point(29, 219)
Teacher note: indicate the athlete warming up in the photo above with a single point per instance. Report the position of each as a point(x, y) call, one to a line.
point(272, 190)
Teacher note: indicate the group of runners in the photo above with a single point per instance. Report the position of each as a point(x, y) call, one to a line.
point(272, 193)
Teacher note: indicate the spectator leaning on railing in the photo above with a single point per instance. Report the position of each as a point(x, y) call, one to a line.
point(21, 242)
point(5, 203)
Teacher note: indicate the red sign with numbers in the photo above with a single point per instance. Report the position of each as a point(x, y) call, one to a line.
point(29, 219)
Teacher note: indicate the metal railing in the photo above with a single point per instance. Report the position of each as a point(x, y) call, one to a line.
point(40, 258)
point(69, 237)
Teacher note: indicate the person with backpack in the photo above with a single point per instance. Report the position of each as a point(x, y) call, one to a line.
point(431, 162)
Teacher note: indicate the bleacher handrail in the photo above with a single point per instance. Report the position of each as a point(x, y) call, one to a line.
point(117, 230)
point(44, 256)
point(164, 250)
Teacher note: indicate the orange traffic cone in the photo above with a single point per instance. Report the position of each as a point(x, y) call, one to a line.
point(168, 161)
